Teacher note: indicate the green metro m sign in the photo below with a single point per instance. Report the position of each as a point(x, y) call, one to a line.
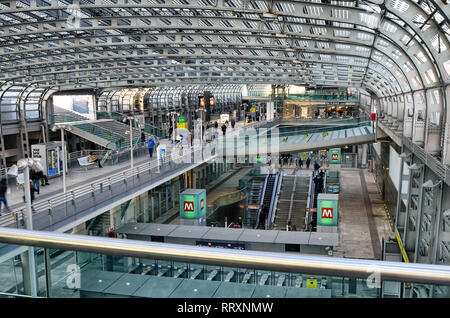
point(334, 156)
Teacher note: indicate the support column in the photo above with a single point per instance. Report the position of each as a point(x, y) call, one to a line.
point(408, 116)
point(364, 156)
point(432, 129)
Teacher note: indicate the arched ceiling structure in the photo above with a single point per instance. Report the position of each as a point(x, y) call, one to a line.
point(386, 47)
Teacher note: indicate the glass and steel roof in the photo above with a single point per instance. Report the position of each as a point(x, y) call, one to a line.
point(386, 47)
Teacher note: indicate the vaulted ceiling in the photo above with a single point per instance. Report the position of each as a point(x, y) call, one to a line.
point(386, 47)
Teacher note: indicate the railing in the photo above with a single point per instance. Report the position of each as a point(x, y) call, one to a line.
point(261, 200)
point(278, 262)
point(274, 202)
point(309, 203)
point(320, 97)
point(152, 167)
point(272, 212)
point(152, 130)
point(225, 200)
point(435, 165)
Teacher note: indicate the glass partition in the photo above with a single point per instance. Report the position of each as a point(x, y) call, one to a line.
point(74, 274)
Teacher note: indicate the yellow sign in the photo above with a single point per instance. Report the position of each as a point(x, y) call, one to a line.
point(253, 110)
point(325, 134)
point(182, 125)
point(400, 244)
point(311, 283)
point(304, 156)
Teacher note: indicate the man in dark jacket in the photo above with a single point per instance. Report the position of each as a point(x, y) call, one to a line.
point(35, 179)
point(224, 129)
point(308, 162)
point(3, 189)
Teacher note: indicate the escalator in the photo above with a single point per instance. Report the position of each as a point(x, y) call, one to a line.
point(254, 192)
point(268, 195)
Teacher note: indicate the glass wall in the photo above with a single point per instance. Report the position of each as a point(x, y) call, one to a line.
point(72, 274)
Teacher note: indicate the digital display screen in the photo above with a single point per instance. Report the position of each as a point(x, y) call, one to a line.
point(77, 104)
point(234, 246)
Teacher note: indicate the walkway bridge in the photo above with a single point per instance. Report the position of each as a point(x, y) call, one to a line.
point(280, 139)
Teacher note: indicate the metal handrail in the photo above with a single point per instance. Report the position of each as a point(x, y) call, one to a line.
point(261, 201)
point(283, 262)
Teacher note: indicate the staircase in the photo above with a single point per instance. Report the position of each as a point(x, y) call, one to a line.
point(284, 203)
point(300, 199)
point(65, 115)
point(99, 224)
point(119, 128)
point(107, 133)
point(147, 128)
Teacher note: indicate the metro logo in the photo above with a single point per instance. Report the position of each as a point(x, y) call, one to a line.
point(188, 206)
point(335, 156)
point(202, 204)
point(327, 213)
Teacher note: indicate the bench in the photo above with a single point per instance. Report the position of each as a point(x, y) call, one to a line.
point(83, 161)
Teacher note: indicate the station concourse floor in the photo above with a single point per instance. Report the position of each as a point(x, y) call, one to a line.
point(76, 177)
point(363, 221)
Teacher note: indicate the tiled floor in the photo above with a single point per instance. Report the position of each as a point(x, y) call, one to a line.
point(355, 238)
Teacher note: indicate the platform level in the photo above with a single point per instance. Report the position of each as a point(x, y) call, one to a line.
point(363, 221)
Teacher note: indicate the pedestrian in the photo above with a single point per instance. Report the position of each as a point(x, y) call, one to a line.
point(92, 158)
point(316, 166)
point(233, 122)
point(3, 190)
point(35, 179)
point(216, 124)
point(142, 137)
point(308, 162)
point(300, 162)
point(322, 174)
point(32, 196)
point(40, 171)
point(150, 145)
point(170, 131)
point(224, 129)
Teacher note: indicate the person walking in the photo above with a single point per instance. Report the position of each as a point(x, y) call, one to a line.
point(3, 190)
point(35, 179)
point(170, 131)
point(92, 158)
point(142, 137)
point(150, 145)
point(233, 122)
point(300, 162)
point(224, 129)
point(308, 162)
point(216, 124)
point(316, 166)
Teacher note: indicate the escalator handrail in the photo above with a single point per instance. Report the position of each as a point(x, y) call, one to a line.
point(272, 212)
point(273, 201)
point(261, 200)
point(310, 202)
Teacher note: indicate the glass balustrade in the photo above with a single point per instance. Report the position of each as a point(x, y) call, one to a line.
point(76, 274)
